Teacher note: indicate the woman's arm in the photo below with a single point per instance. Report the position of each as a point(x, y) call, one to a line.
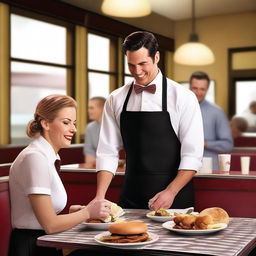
point(53, 223)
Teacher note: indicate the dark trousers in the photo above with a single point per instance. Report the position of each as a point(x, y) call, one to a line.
point(23, 243)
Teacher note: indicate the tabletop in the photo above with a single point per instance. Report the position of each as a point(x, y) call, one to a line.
point(237, 239)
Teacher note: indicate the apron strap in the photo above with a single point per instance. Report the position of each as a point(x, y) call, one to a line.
point(127, 97)
point(164, 94)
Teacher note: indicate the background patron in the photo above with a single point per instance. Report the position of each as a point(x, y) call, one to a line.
point(238, 126)
point(217, 132)
point(250, 116)
point(91, 139)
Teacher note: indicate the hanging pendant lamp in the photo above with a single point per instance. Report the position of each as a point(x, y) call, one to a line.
point(194, 53)
point(126, 8)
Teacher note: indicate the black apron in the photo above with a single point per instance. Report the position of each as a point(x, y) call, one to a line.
point(152, 156)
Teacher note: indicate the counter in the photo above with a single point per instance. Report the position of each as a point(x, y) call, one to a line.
point(233, 191)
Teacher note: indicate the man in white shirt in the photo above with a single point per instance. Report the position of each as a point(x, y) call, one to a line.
point(159, 124)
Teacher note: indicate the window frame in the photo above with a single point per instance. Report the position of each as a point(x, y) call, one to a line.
point(237, 75)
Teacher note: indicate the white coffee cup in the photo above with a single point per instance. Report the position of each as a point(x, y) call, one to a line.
point(224, 162)
point(207, 165)
point(245, 164)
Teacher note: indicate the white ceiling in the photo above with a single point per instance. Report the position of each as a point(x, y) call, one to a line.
point(181, 9)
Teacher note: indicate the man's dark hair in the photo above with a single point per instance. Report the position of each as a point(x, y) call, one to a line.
point(139, 39)
point(200, 76)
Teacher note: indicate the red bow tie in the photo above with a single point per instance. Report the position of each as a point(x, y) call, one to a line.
point(138, 88)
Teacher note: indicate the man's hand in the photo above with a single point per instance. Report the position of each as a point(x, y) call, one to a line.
point(163, 199)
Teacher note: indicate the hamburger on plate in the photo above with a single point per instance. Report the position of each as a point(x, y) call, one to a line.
point(127, 232)
point(115, 212)
point(209, 218)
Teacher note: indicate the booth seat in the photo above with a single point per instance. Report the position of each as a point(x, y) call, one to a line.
point(245, 141)
point(4, 169)
point(71, 155)
point(5, 216)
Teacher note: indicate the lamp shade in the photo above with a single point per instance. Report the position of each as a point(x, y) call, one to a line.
point(126, 8)
point(194, 54)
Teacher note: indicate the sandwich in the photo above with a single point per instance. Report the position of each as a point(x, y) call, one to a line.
point(127, 232)
point(115, 212)
point(209, 218)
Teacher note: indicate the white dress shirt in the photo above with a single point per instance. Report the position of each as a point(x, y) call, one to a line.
point(33, 172)
point(185, 116)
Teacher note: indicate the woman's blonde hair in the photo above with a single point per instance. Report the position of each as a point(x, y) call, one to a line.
point(47, 109)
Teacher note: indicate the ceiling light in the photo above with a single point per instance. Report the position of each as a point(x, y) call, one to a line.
point(126, 8)
point(193, 53)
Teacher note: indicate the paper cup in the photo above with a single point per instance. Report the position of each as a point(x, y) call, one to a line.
point(207, 165)
point(224, 162)
point(245, 164)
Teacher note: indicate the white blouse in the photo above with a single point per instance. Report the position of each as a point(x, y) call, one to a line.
point(33, 172)
point(185, 116)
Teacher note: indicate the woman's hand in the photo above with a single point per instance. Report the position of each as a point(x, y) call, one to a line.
point(98, 209)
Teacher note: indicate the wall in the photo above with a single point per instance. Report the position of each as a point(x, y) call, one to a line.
point(154, 23)
point(219, 33)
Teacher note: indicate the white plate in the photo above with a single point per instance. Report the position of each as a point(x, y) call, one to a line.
point(102, 226)
point(166, 218)
point(169, 225)
point(154, 237)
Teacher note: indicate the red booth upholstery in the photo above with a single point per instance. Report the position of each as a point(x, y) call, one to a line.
point(5, 218)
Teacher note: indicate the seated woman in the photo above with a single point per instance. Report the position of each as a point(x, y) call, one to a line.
point(37, 192)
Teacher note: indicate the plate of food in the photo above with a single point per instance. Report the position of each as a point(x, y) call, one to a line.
point(170, 225)
point(163, 215)
point(127, 234)
point(101, 225)
point(209, 220)
point(114, 217)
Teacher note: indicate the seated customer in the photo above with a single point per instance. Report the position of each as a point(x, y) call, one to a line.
point(92, 132)
point(36, 190)
point(250, 116)
point(238, 126)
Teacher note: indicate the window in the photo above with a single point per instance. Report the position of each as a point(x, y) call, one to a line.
point(99, 68)
point(242, 79)
point(245, 94)
point(38, 59)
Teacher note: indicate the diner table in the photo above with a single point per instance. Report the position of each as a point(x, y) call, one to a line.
point(239, 238)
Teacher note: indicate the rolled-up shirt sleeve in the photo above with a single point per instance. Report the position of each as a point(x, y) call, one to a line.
point(191, 134)
point(110, 141)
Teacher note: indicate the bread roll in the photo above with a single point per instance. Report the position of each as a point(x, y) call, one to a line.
point(217, 214)
point(128, 228)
